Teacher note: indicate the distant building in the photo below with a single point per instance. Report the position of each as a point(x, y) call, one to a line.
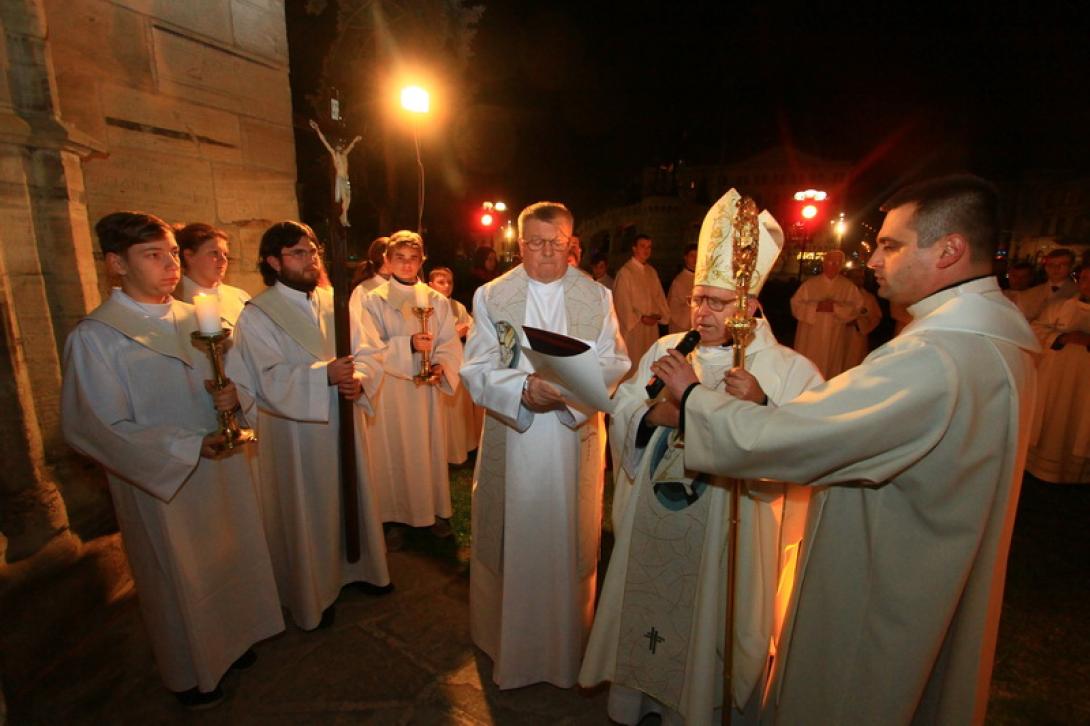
point(674, 201)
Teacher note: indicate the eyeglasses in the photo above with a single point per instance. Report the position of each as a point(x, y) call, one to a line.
point(715, 304)
point(557, 243)
point(313, 253)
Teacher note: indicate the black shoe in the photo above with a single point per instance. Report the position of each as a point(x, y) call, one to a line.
point(328, 616)
point(196, 700)
point(368, 588)
point(244, 661)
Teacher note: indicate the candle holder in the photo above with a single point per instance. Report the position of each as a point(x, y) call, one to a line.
point(425, 377)
point(234, 435)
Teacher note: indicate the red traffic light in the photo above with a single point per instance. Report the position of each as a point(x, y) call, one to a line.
point(487, 220)
point(809, 211)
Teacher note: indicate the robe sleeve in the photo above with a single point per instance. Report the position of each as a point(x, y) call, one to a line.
point(850, 305)
point(97, 420)
point(803, 306)
point(631, 407)
point(624, 301)
point(866, 425)
point(490, 385)
point(369, 351)
point(266, 378)
point(447, 348)
point(679, 309)
point(1049, 325)
point(869, 316)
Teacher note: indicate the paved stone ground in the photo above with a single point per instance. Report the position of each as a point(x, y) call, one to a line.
point(73, 651)
point(405, 658)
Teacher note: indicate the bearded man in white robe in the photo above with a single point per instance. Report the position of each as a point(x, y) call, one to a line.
point(406, 436)
point(674, 524)
point(137, 398)
point(286, 368)
point(639, 300)
point(825, 307)
point(537, 486)
point(1058, 449)
point(921, 448)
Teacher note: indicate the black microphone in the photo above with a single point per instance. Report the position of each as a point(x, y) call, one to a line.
point(685, 347)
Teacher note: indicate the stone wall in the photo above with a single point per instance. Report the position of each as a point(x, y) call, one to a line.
point(191, 101)
point(177, 107)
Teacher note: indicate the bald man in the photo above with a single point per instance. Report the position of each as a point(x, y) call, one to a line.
point(825, 307)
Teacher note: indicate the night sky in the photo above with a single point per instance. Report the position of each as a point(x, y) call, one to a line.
point(569, 100)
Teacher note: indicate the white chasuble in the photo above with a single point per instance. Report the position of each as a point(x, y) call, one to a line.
point(405, 434)
point(824, 336)
point(279, 365)
point(133, 399)
point(896, 606)
point(659, 626)
point(537, 490)
point(1058, 446)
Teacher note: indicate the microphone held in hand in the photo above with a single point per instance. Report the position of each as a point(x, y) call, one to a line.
point(685, 347)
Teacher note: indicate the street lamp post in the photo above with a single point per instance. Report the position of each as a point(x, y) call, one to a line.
point(415, 100)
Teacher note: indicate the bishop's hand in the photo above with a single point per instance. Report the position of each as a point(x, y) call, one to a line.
point(675, 371)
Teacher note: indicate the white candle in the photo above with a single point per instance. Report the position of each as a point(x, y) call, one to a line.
point(208, 313)
point(420, 290)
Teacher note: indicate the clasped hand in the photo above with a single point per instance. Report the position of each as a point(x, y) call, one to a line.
point(341, 372)
point(540, 396)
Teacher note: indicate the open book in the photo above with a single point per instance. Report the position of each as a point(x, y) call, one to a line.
point(571, 365)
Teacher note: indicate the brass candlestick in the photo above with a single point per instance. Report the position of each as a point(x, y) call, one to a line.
point(425, 376)
point(212, 344)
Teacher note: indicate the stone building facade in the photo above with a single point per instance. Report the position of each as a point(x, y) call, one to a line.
point(179, 108)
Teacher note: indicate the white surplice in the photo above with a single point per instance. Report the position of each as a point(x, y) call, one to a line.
point(678, 300)
point(462, 417)
point(637, 291)
point(232, 299)
point(922, 446)
point(1032, 302)
point(662, 542)
point(823, 337)
point(859, 330)
point(283, 344)
point(537, 492)
point(405, 434)
point(133, 399)
point(1058, 451)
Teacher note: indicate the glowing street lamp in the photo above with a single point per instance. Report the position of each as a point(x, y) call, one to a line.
point(415, 100)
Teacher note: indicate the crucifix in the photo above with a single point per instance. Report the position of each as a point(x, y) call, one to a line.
point(653, 639)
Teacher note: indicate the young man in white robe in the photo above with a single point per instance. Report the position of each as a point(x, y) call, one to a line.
point(639, 301)
point(205, 252)
point(537, 486)
point(137, 398)
point(825, 306)
point(1056, 288)
point(920, 450)
point(406, 435)
point(463, 418)
point(290, 379)
point(674, 524)
point(681, 289)
point(1058, 451)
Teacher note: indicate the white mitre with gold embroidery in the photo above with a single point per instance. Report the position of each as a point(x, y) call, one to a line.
point(715, 251)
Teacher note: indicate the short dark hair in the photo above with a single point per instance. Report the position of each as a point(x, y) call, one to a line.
point(192, 236)
point(691, 247)
point(637, 238)
point(276, 238)
point(545, 212)
point(119, 231)
point(961, 203)
point(1061, 252)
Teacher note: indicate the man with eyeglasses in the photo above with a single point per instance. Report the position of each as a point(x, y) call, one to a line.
point(537, 490)
point(919, 453)
point(639, 299)
point(671, 524)
point(289, 379)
